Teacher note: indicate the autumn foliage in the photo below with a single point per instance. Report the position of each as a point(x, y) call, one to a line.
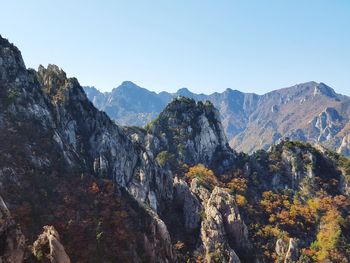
point(204, 175)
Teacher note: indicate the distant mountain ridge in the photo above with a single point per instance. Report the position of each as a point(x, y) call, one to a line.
point(310, 111)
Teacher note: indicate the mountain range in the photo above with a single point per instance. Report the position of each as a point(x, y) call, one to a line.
point(77, 187)
point(311, 112)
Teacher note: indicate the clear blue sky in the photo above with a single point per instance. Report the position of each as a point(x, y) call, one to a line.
point(207, 46)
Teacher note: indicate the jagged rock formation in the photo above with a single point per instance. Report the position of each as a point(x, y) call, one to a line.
point(310, 112)
point(223, 231)
point(49, 128)
point(215, 214)
point(191, 132)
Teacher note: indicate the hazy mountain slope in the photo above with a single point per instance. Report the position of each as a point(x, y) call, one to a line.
point(235, 108)
point(310, 112)
point(128, 104)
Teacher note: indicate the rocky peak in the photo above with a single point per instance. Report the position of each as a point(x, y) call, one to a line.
point(68, 165)
point(93, 92)
point(323, 89)
point(59, 88)
point(11, 62)
point(49, 245)
point(233, 92)
point(130, 98)
point(52, 79)
point(184, 92)
point(128, 84)
point(302, 88)
point(182, 104)
point(128, 87)
point(190, 130)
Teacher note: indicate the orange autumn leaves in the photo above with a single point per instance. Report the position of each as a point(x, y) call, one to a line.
point(291, 218)
point(202, 174)
point(94, 188)
point(320, 219)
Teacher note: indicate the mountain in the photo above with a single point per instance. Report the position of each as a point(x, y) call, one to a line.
point(76, 187)
point(128, 103)
point(310, 112)
point(57, 152)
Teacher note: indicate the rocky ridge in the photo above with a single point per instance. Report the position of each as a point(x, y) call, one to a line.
point(173, 191)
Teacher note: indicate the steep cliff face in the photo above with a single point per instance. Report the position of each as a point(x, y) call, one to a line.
point(102, 146)
point(223, 231)
point(51, 134)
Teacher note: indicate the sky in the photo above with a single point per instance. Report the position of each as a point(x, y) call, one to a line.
point(204, 45)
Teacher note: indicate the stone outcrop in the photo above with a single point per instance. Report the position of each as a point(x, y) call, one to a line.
point(223, 230)
point(223, 234)
point(158, 240)
point(48, 245)
point(344, 146)
point(293, 251)
point(287, 251)
point(192, 207)
point(327, 124)
point(281, 248)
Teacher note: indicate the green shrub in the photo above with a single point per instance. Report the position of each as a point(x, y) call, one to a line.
point(164, 157)
point(12, 95)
